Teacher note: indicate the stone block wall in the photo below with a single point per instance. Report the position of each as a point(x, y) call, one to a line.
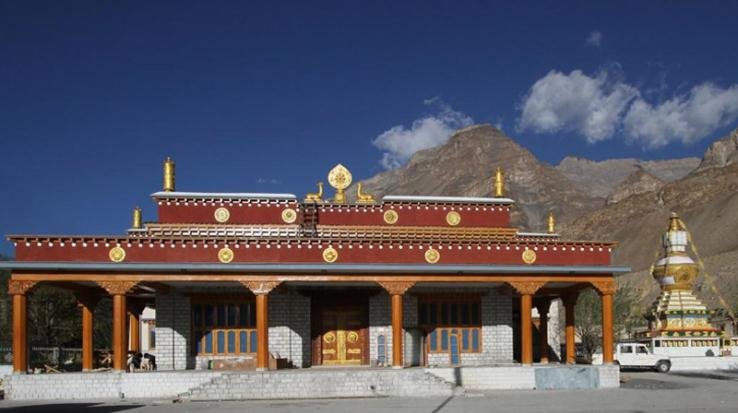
point(289, 330)
point(380, 323)
point(289, 327)
point(497, 333)
point(173, 331)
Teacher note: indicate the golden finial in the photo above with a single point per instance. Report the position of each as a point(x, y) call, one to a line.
point(551, 223)
point(340, 178)
point(499, 183)
point(137, 223)
point(363, 198)
point(675, 224)
point(169, 175)
point(317, 196)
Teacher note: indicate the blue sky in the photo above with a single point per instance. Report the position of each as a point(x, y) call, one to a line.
point(267, 96)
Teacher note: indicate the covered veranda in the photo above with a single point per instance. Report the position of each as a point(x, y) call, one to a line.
point(130, 284)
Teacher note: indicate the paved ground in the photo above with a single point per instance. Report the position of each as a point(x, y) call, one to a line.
point(640, 392)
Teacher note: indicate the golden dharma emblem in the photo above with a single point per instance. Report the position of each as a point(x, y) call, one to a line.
point(329, 338)
point(339, 177)
point(222, 215)
point(529, 256)
point(391, 216)
point(352, 337)
point(225, 255)
point(453, 218)
point(432, 256)
point(289, 215)
point(330, 254)
point(117, 254)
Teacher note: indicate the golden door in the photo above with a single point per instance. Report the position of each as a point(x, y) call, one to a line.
point(342, 340)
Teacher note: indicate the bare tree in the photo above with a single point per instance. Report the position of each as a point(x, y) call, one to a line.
point(588, 316)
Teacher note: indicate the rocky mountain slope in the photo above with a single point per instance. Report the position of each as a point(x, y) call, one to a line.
point(465, 166)
point(601, 178)
point(638, 182)
point(623, 200)
point(707, 200)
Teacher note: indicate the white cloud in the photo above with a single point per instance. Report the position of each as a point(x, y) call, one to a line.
point(598, 107)
point(590, 106)
point(399, 143)
point(594, 39)
point(686, 118)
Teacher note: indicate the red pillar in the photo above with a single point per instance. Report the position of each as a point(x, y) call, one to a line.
point(262, 332)
point(526, 329)
point(87, 304)
point(18, 289)
point(20, 341)
point(397, 331)
point(569, 307)
point(120, 349)
point(607, 329)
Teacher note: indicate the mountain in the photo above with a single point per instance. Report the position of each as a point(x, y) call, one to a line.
point(706, 199)
point(622, 200)
point(601, 178)
point(465, 166)
point(638, 182)
point(722, 152)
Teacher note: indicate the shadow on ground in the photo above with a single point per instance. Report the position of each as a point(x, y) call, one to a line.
point(70, 408)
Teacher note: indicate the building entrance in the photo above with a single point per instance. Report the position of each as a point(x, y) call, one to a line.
point(342, 333)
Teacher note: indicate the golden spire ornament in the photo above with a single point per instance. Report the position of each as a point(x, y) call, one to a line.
point(499, 183)
point(551, 223)
point(169, 175)
point(137, 222)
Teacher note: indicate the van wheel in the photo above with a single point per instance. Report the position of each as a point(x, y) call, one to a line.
point(663, 366)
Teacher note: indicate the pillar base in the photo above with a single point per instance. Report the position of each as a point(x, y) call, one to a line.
point(262, 369)
point(398, 367)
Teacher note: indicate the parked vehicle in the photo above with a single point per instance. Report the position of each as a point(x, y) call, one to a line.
point(637, 355)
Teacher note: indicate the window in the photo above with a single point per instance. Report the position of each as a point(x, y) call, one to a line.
point(641, 350)
point(626, 349)
point(223, 327)
point(451, 322)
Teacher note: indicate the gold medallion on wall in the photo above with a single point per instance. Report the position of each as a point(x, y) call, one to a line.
point(117, 254)
point(390, 216)
point(453, 218)
point(222, 215)
point(329, 337)
point(289, 215)
point(352, 337)
point(529, 256)
point(225, 255)
point(330, 254)
point(432, 256)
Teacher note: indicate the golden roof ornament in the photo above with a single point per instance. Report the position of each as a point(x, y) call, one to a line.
point(316, 197)
point(339, 178)
point(169, 175)
point(551, 223)
point(363, 197)
point(499, 183)
point(137, 222)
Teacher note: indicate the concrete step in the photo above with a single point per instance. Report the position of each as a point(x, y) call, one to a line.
point(319, 383)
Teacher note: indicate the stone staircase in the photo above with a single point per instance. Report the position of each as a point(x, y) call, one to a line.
point(322, 383)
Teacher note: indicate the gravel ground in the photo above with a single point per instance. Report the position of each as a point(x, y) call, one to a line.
point(640, 392)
